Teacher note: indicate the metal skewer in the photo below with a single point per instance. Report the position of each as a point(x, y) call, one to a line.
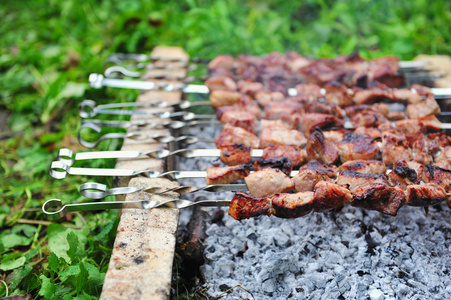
point(98, 81)
point(54, 209)
point(96, 190)
point(59, 170)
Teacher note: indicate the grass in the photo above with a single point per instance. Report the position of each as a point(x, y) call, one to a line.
point(47, 50)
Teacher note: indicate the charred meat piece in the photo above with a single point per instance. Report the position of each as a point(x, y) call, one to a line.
point(221, 83)
point(380, 197)
point(306, 179)
point(292, 205)
point(236, 135)
point(295, 154)
point(371, 96)
point(368, 118)
point(274, 135)
point(226, 175)
point(244, 206)
point(425, 194)
point(309, 121)
point(364, 166)
point(423, 108)
point(243, 119)
point(321, 149)
point(319, 72)
point(355, 147)
point(435, 174)
point(328, 170)
point(324, 108)
point(283, 164)
point(355, 179)
point(286, 111)
point(378, 107)
point(338, 94)
point(403, 175)
point(329, 195)
point(220, 98)
point(443, 164)
point(235, 154)
point(267, 182)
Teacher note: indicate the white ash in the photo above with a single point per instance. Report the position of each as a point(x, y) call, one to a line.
point(351, 254)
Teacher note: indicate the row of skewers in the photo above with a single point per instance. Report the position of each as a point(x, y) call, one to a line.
point(330, 124)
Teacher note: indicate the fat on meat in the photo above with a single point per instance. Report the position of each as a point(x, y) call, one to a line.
point(267, 182)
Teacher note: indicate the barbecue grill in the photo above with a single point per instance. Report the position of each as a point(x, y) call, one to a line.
point(311, 263)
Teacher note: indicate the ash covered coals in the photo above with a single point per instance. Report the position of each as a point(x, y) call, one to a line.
point(352, 254)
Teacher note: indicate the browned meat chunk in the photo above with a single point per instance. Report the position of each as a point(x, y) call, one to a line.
point(321, 149)
point(264, 98)
point(338, 94)
point(355, 147)
point(421, 90)
point(221, 83)
point(396, 115)
point(292, 205)
point(405, 95)
point(222, 61)
point(286, 111)
point(306, 179)
point(274, 135)
point(283, 164)
point(236, 135)
point(244, 206)
point(378, 107)
point(309, 121)
point(380, 197)
point(335, 135)
point(364, 166)
point(368, 118)
point(267, 182)
point(425, 194)
point(371, 132)
point(243, 119)
point(324, 108)
point(355, 179)
point(319, 72)
point(419, 148)
point(408, 126)
point(226, 175)
point(249, 87)
point(310, 92)
point(402, 175)
point(295, 154)
point(394, 147)
point(423, 109)
point(235, 154)
point(329, 195)
point(444, 163)
point(244, 103)
point(220, 98)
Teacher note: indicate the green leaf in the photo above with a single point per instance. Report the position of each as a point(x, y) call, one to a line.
point(47, 288)
point(106, 230)
point(53, 262)
point(57, 240)
point(18, 275)
point(73, 247)
point(12, 240)
point(12, 264)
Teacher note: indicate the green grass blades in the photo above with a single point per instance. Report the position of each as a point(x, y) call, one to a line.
point(48, 49)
